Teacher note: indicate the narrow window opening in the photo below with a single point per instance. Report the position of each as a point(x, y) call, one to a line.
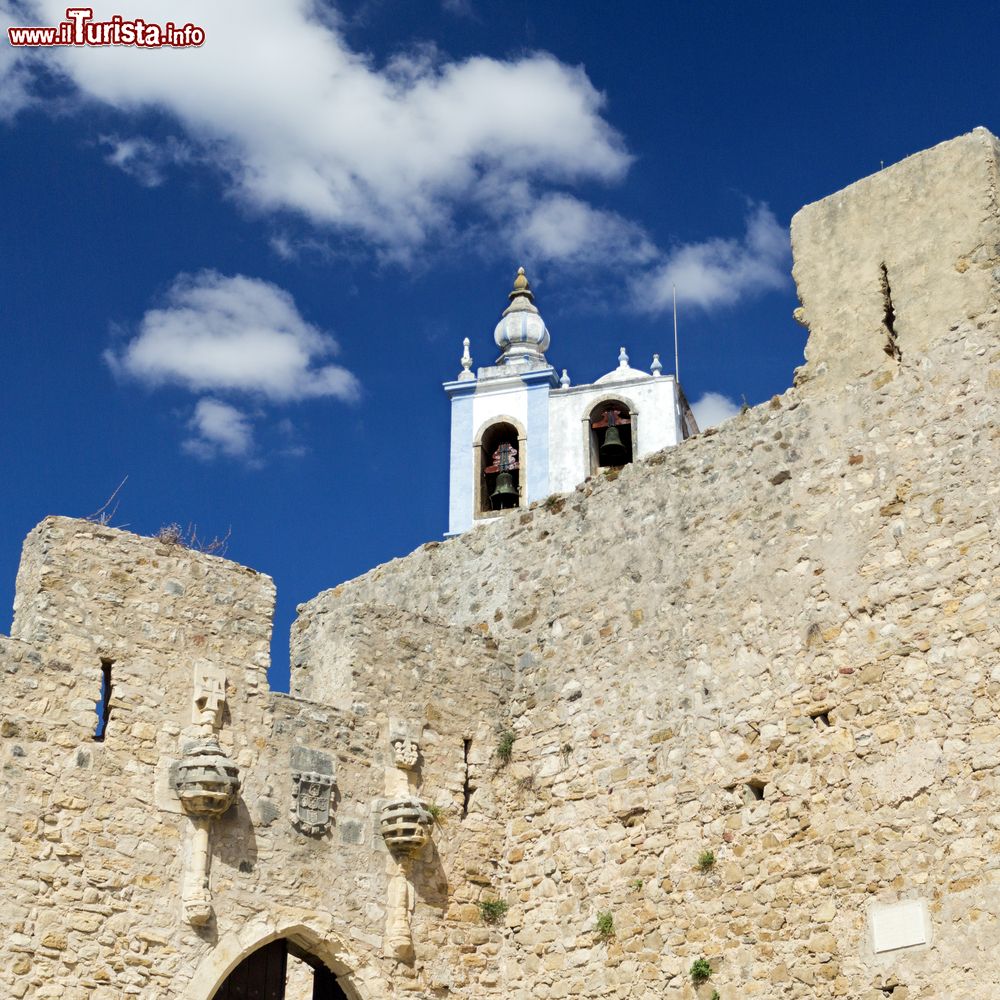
point(822, 719)
point(103, 706)
point(467, 788)
point(888, 990)
point(889, 318)
point(753, 791)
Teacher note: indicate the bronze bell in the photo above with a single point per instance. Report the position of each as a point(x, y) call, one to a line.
point(505, 495)
point(613, 452)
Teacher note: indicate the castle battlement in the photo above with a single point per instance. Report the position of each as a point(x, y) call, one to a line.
point(732, 703)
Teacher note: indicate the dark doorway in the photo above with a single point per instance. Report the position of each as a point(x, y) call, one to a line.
point(263, 974)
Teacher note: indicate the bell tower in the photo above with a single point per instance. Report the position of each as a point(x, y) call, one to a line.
point(519, 432)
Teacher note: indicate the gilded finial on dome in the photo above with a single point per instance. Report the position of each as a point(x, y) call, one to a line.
point(521, 286)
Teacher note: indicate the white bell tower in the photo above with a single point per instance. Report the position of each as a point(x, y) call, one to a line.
point(520, 433)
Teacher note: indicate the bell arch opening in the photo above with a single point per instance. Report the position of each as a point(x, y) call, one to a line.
point(499, 468)
point(280, 970)
point(611, 435)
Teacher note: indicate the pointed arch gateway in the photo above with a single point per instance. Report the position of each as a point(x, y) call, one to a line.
point(300, 960)
point(280, 970)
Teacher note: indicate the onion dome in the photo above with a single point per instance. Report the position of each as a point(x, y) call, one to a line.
point(521, 334)
point(206, 780)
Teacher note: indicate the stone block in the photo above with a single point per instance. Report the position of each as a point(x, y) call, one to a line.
point(900, 257)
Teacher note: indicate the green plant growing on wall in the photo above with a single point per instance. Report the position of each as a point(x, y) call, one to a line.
point(605, 926)
point(436, 812)
point(492, 910)
point(715, 995)
point(701, 970)
point(636, 884)
point(706, 861)
point(505, 748)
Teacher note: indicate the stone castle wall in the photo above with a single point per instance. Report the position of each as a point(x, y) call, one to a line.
point(92, 837)
point(777, 643)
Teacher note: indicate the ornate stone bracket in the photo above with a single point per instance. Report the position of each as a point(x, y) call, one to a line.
point(405, 825)
point(206, 782)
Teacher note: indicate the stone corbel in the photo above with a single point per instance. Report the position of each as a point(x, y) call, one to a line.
point(206, 782)
point(405, 825)
point(399, 909)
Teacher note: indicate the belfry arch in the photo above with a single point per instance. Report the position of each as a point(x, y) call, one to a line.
point(618, 415)
point(496, 432)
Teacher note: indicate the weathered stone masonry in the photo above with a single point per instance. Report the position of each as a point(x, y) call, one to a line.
point(778, 643)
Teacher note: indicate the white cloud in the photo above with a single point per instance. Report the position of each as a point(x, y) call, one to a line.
point(219, 429)
point(297, 120)
point(463, 8)
point(233, 335)
point(720, 272)
point(412, 152)
point(564, 230)
point(144, 160)
point(17, 66)
point(712, 409)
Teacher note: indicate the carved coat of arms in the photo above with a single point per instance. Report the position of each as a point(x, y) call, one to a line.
point(311, 794)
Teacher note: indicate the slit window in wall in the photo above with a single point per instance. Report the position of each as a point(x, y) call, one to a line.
point(467, 789)
point(104, 704)
point(753, 791)
point(822, 719)
point(891, 346)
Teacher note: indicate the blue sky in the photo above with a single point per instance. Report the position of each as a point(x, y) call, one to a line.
point(237, 274)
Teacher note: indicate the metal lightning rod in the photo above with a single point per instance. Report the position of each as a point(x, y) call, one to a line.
point(677, 364)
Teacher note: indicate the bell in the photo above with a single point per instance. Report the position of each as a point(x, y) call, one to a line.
point(613, 452)
point(505, 495)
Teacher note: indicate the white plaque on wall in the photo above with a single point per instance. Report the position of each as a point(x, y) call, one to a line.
point(899, 925)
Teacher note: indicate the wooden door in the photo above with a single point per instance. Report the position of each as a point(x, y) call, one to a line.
point(260, 976)
point(325, 985)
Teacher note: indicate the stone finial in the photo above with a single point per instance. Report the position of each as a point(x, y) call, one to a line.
point(622, 359)
point(209, 697)
point(656, 368)
point(405, 753)
point(466, 373)
point(521, 287)
point(564, 381)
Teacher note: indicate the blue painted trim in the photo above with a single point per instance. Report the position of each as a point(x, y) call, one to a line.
point(466, 387)
point(538, 437)
point(460, 473)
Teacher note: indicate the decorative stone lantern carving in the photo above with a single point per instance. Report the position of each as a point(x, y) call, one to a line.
point(405, 825)
point(206, 780)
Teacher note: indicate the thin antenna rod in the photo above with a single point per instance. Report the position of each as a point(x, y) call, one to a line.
point(677, 364)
